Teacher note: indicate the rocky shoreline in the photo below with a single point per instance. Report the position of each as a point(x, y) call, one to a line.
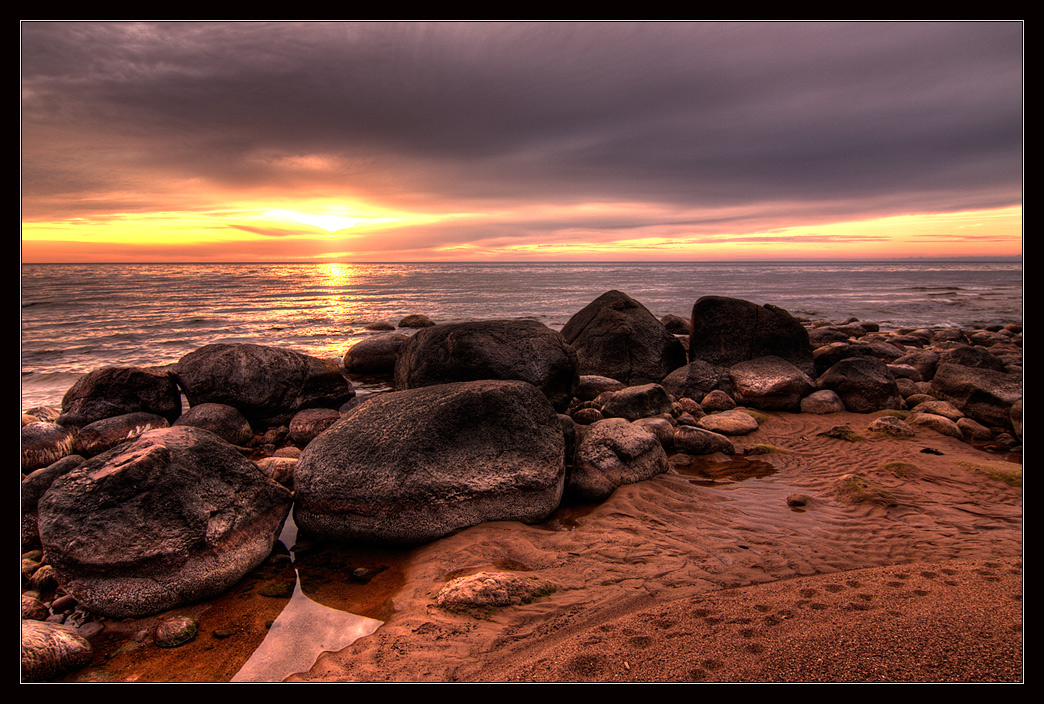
point(132, 508)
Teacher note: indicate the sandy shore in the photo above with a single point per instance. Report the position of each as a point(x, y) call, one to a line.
point(699, 576)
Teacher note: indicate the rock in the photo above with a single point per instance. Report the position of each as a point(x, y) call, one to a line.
point(591, 386)
point(279, 469)
point(904, 371)
point(972, 430)
point(863, 384)
point(416, 320)
point(43, 444)
point(33, 609)
point(1015, 416)
point(412, 466)
point(267, 384)
point(521, 350)
point(379, 326)
point(924, 361)
point(174, 517)
point(969, 356)
point(176, 630)
point(697, 379)
point(717, 400)
point(492, 589)
point(939, 408)
point(829, 355)
point(891, 426)
point(105, 434)
point(726, 331)
point(729, 423)
point(798, 500)
point(636, 402)
point(115, 391)
point(949, 335)
point(826, 334)
point(676, 325)
point(587, 416)
point(822, 402)
point(223, 420)
point(614, 452)
point(375, 355)
point(939, 424)
point(616, 336)
point(33, 487)
point(51, 650)
point(659, 426)
point(982, 394)
point(307, 424)
point(770, 383)
point(697, 441)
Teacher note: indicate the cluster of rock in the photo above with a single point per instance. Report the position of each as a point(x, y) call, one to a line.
point(139, 507)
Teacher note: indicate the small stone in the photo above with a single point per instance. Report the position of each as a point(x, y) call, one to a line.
point(796, 500)
point(175, 631)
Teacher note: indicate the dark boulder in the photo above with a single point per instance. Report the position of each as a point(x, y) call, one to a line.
point(174, 517)
point(982, 394)
point(730, 330)
point(863, 384)
point(375, 355)
point(969, 356)
point(616, 336)
point(520, 350)
point(267, 384)
point(412, 466)
point(115, 391)
point(697, 379)
point(416, 320)
point(224, 421)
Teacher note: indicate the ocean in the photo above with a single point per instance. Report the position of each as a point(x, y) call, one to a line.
point(80, 317)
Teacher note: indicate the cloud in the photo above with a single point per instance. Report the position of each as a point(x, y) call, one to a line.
point(821, 119)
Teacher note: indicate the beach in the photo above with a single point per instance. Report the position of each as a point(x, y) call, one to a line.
point(702, 574)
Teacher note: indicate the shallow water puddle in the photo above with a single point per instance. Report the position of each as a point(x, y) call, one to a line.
point(710, 472)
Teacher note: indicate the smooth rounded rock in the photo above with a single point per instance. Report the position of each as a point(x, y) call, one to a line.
point(614, 452)
point(412, 466)
point(174, 517)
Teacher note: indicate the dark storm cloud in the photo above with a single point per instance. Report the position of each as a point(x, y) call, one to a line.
point(876, 115)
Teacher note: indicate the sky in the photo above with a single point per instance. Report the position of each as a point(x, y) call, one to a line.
point(242, 141)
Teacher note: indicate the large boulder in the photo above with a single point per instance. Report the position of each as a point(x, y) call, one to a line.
point(697, 379)
point(982, 394)
point(520, 350)
point(863, 384)
point(114, 391)
point(51, 650)
point(376, 354)
point(411, 466)
point(726, 331)
point(614, 452)
point(267, 384)
point(174, 517)
point(770, 383)
point(616, 336)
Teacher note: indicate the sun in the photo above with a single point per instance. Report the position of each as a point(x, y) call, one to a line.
point(330, 223)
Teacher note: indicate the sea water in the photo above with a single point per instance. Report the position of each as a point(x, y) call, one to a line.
point(80, 317)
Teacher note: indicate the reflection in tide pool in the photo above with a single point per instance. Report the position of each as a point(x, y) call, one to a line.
point(303, 631)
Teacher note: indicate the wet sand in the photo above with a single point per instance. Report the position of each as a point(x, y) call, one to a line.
point(694, 576)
